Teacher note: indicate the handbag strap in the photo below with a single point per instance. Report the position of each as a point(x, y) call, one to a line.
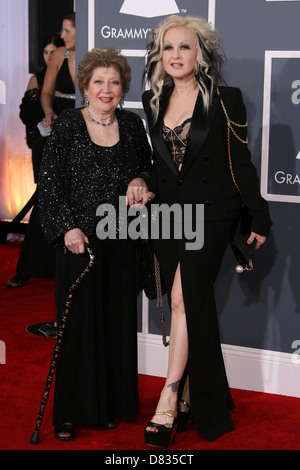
point(230, 128)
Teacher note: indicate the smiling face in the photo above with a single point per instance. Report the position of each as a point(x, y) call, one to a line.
point(104, 90)
point(68, 34)
point(179, 53)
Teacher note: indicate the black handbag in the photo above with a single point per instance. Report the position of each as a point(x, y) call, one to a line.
point(243, 251)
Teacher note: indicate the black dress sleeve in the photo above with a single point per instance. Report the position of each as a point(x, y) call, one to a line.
point(245, 173)
point(56, 216)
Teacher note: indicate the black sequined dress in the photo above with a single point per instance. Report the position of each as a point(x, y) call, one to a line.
point(96, 375)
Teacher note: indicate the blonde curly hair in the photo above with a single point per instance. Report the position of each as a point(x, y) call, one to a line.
point(210, 58)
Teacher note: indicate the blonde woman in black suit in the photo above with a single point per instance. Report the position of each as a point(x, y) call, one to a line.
point(188, 130)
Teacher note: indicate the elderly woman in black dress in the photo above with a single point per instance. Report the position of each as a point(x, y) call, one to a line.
point(95, 155)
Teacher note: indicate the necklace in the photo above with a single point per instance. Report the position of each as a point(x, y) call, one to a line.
point(100, 123)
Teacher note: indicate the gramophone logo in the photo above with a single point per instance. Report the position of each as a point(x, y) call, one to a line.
point(149, 9)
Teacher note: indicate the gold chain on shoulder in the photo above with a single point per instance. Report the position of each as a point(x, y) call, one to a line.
point(231, 123)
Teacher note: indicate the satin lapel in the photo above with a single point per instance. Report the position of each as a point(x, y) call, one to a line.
point(199, 129)
point(156, 134)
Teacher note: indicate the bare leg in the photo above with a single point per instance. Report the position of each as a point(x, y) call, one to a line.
point(178, 354)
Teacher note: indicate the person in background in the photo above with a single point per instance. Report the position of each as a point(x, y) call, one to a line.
point(95, 155)
point(36, 257)
point(188, 129)
point(58, 91)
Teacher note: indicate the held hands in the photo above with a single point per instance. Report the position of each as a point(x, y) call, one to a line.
point(260, 239)
point(74, 241)
point(137, 192)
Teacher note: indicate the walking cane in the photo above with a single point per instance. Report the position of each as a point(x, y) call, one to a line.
point(35, 436)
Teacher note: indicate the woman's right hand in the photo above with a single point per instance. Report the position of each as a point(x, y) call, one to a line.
point(48, 119)
point(74, 241)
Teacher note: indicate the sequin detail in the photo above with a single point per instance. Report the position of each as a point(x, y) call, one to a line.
point(77, 175)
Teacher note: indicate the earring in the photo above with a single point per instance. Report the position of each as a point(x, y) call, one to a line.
point(121, 103)
point(85, 100)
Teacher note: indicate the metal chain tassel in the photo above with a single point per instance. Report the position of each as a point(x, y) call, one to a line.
point(35, 436)
point(230, 128)
point(159, 302)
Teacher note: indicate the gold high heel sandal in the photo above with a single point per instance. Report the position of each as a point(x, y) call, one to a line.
point(164, 434)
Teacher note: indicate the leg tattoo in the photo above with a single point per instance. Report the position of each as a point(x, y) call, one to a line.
point(174, 386)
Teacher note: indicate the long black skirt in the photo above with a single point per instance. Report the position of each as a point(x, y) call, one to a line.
point(37, 257)
point(210, 397)
point(96, 374)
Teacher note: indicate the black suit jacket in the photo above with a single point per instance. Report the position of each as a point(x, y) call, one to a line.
point(205, 177)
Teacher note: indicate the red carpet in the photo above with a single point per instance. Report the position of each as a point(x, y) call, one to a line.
point(262, 421)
